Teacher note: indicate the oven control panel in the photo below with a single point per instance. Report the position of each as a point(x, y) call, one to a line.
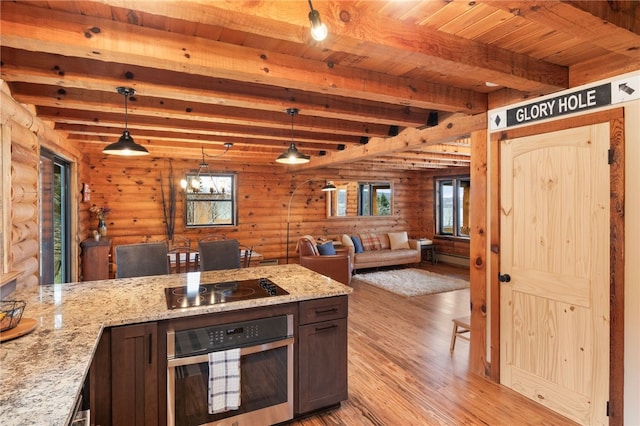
point(234, 335)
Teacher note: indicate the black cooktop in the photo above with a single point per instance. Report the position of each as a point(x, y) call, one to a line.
point(204, 294)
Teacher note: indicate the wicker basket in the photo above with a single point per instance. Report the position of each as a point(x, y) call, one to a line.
point(10, 313)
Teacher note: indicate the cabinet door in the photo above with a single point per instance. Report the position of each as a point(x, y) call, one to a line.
point(322, 370)
point(134, 367)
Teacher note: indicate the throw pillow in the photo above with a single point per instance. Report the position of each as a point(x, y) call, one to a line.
point(326, 248)
point(370, 241)
point(357, 244)
point(399, 240)
point(347, 241)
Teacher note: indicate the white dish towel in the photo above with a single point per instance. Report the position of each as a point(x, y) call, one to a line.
point(224, 381)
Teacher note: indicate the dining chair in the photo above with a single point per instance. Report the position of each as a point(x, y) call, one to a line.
point(183, 259)
point(139, 260)
point(220, 254)
point(178, 242)
point(245, 255)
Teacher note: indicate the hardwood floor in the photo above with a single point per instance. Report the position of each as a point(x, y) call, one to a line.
point(402, 373)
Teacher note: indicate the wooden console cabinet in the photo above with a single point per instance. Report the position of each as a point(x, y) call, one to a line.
point(95, 259)
point(322, 353)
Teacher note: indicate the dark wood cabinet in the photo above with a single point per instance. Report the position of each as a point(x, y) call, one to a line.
point(125, 382)
point(95, 259)
point(322, 353)
point(134, 375)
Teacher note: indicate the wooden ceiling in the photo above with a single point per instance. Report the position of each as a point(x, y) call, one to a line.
point(211, 72)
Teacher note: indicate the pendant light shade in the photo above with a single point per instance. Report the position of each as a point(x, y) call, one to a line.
point(329, 186)
point(292, 155)
point(125, 146)
point(319, 30)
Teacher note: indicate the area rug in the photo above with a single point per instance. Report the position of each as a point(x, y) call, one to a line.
point(412, 282)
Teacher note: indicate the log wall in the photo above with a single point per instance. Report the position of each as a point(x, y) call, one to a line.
point(132, 189)
point(25, 134)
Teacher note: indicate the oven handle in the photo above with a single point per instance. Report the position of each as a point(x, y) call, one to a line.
point(176, 362)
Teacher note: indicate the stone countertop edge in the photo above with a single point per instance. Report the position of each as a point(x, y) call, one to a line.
point(42, 373)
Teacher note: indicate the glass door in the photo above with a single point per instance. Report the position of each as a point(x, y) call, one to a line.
point(54, 219)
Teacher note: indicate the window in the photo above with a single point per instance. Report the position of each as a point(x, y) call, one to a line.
point(453, 206)
point(374, 199)
point(210, 200)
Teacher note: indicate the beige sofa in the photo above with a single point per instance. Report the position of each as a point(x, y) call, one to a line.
point(382, 249)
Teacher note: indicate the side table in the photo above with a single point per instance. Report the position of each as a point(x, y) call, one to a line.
point(427, 251)
point(95, 259)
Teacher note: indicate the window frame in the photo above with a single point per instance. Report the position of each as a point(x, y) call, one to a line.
point(227, 198)
point(368, 194)
point(456, 183)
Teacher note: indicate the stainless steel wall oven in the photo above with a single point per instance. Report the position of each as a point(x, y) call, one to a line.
point(266, 371)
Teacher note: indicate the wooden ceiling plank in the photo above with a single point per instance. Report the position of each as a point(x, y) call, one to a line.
point(588, 22)
point(355, 37)
point(63, 34)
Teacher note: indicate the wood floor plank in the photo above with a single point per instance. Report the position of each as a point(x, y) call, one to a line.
point(401, 371)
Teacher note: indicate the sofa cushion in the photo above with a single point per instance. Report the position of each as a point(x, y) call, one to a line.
point(369, 241)
point(398, 240)
point(384, 241)
point(357, 244)
point(326, 248)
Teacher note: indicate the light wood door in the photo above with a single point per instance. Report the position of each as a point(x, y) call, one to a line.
point(555, 249)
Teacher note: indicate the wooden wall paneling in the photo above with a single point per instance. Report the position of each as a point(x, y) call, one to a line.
point(478, 254)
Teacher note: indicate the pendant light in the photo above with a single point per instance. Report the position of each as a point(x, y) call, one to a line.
point(318, 28)
point(292, 155)
point(125, 146)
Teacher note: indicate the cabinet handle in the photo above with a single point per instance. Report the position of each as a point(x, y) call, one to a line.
point(329, 327)
point(326, 311)
point(150, 348)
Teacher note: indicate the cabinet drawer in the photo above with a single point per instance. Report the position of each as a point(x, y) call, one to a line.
point(323, 309)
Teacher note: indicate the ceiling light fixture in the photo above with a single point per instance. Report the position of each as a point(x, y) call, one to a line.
point(194, 184)
point(125, 146)
point(319, 30)
point(292, 155)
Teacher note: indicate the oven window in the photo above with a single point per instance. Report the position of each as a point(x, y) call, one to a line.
point(263, 383)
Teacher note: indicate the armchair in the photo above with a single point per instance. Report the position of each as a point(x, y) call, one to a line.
point(335, 266)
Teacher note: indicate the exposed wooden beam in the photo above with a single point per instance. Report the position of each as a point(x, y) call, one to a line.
point(355, 26)
point(71, 35)
point(448, 130)
point(56, 70)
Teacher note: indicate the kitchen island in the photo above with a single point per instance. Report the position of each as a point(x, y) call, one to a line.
point(42, 373)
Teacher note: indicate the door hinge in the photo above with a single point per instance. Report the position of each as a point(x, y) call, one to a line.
point(607, 408)
point(610, 156)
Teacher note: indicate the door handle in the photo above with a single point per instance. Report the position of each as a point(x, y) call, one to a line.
point(504, 278)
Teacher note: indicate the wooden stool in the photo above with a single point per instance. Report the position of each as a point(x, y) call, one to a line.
point(461, 326)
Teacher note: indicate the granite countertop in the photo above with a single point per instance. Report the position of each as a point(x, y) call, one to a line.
point(42, 373)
